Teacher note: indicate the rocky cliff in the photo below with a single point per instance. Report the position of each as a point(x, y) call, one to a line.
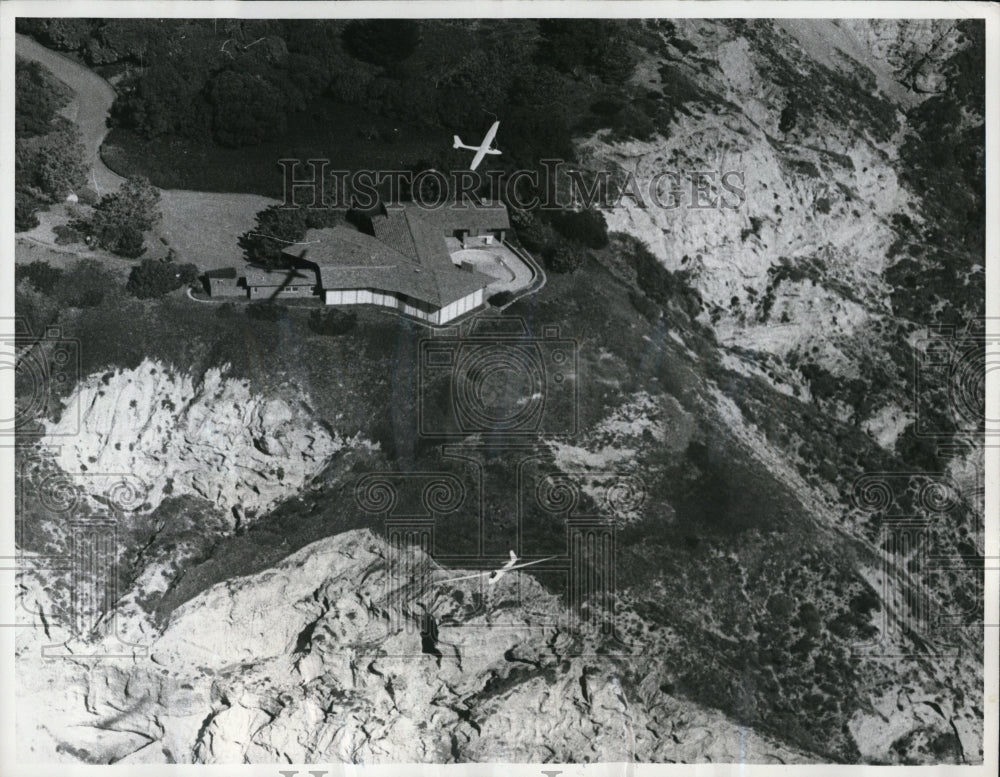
point(212, 438)
point(309, 662)
point(827, 127)
point(748, 575)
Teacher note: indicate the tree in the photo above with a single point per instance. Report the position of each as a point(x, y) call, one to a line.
point(164, 100)
point(381, 42)
point(84, 285)
point(586, 227)
point(37, 97)
point(248, 109)
point(562, 258)
point(593, 45)
point(41, 275)
point(63, 34)
point(277, 227)
point(151, 278)
point(25, 211)
point(789, 118)
point(120, 218)
point(51, 167)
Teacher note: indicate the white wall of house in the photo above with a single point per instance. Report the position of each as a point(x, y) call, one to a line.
point(460, 307)
point(385, 299)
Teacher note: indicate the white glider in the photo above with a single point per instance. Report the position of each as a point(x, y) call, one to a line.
point(481, 150)
point(496, 574)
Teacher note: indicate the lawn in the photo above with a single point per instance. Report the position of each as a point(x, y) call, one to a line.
point(203, 227)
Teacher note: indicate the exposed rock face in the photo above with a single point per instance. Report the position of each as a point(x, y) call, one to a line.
point(314, 660)
point(821, 193)
point(214, 438)
point(914, 50)
point(311, 662)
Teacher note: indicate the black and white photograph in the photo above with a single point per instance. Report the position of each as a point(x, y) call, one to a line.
point(548, 384)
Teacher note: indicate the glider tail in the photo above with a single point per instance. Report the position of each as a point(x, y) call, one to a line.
point(457, 142)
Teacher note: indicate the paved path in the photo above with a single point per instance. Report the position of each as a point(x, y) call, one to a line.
point(201, 226)
point(92, 99)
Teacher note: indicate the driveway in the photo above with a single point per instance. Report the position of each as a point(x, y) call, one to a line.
point(202, 227)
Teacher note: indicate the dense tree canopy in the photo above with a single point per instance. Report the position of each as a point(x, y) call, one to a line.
point(48, 155)
point(37, 98)
point(239, 81)
point(381, 41)
point(52, 167)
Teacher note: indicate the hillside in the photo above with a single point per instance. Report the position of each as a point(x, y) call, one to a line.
point(742, 412)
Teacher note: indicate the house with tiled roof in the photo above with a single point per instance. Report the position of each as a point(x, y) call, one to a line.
point(407, 263)
point(263, 284)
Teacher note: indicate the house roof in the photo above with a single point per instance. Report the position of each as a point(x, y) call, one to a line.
point(258, 276)
point(221, 272)
point(407, 255)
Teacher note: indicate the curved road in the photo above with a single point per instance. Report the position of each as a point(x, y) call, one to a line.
point(89, 109)
point(202, 226)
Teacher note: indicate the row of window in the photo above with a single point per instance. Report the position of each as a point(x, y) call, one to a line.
point(404, 305)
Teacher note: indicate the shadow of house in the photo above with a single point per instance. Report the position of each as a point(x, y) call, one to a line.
point(282, 283)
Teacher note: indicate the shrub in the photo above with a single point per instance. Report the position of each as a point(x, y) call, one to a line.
point(41, 275)
point(562, 258)
point(85, 285)
point(332, 322)
point(65, 235)
point(265, 311)
point(25, 212)
point(37, 98)
point(152, 278)
point(586, 227)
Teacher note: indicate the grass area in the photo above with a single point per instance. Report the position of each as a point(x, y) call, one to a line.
point(203, 228)
point(350, 137)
